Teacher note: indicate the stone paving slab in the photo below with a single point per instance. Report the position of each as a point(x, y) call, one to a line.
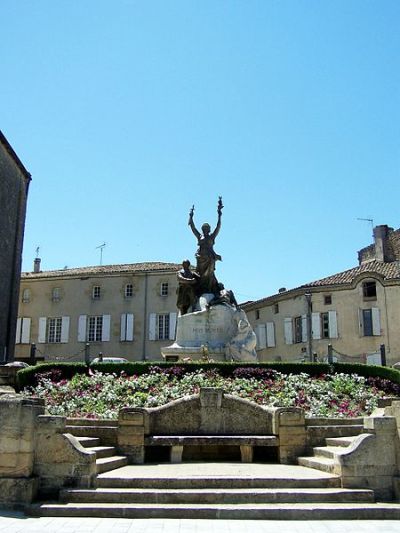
point(17, 523)
point(215, 470)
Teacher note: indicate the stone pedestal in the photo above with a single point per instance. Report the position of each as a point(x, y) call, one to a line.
point(221, 333)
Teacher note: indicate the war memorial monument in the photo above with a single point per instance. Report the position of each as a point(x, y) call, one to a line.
point(210, 323)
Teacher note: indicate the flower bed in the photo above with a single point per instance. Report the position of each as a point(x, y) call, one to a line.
point(99, 395)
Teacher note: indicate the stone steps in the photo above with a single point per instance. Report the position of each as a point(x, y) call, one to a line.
point(105, 464)
point(316, 435)
point(340, 441)
point(216, 496)
point(319, 463)
point(252, 511)
point(89, 442)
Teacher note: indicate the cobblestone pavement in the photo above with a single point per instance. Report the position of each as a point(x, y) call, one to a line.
point(12, 522)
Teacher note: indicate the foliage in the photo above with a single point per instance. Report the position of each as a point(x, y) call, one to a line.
point(98, 394)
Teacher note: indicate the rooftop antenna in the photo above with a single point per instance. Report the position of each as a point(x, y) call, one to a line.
point(101, 247)
point(370, 220)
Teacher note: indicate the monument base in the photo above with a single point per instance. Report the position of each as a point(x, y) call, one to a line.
point(219, 333)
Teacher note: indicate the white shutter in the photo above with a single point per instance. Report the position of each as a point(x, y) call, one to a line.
point(18, 332)
point(376, 321)
point(172, 326)
point(261, 335)
point(123, 327)
point(105, 333)
point(127, 324)
point(316, 326)
point(82, 328)
point(26, 331)
point(152, 326)
point(64, 328)
point(42, 330)
point(304, 332)
point(130, 323)
point(333, 329)
point(271, 335)
point(288, 327)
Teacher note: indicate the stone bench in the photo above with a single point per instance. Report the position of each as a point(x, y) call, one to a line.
point(245, 442)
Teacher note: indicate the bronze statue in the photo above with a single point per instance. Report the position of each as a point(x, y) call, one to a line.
point(187, 288)
point(225, 296)
point(205, 255)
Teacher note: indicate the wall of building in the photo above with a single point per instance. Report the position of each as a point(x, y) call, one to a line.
point(346, 303)
point(76, 300)
point(14, 181)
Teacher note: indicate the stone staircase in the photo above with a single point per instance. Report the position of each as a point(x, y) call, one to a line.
point(98, 436)
point(218, 490)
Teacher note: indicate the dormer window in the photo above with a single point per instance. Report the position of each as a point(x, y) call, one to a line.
point(96, 291)
point(56, 294)
point(369, 290)
point(128, 290)
point(26, 296)
point(164, 288)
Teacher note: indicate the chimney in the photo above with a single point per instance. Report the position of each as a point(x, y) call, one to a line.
point(281, 290)
point(36, 265)
point(381, 243)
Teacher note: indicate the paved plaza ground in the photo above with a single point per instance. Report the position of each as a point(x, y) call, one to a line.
point(11, 522)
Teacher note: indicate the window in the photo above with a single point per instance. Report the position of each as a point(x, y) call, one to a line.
point(276, 309)
point(164, 288)
point(128, 290)
point(127, 327)
point(26, 296)
point(369, 290)
point(96, 291)
point(325, 325)
point(163, 327)
point(257, 314)
point(95, 328)
point(56, 294)
point(298, 329)
point(327, 299)
point(54, 330)
point(370, 322)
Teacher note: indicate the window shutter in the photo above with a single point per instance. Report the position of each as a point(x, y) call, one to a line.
point(270, 335)
point(18, 331)
point(288, 327)
point(64, 328)
point(26, 331)
point(82, 328)
point(105, 334)
point(152, 326)
point(42, 330)
point(304, 332)
point(360, 323)
point(376, 321)
point(261, 335)
point(123, 327)
point(316, 326)
point(130, 323)
point(333, 329)
point(172, 326)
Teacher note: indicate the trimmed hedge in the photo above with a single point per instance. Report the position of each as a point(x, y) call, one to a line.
point(28, 376)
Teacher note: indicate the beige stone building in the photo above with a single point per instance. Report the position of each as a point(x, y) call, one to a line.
point(119, 310)
point(355, 311)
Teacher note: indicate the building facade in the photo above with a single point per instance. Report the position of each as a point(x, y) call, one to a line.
point(355, 311)
point(14, 184)
point(119, 310)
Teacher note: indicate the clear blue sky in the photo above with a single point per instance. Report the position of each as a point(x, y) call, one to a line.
point(127, 112)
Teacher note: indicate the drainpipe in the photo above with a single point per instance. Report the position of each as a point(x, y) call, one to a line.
point(309, 326)
point(145, 317)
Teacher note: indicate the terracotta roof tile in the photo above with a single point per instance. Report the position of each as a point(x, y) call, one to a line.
point(130, 268)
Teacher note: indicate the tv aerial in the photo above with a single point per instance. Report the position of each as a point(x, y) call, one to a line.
point(101, 248)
